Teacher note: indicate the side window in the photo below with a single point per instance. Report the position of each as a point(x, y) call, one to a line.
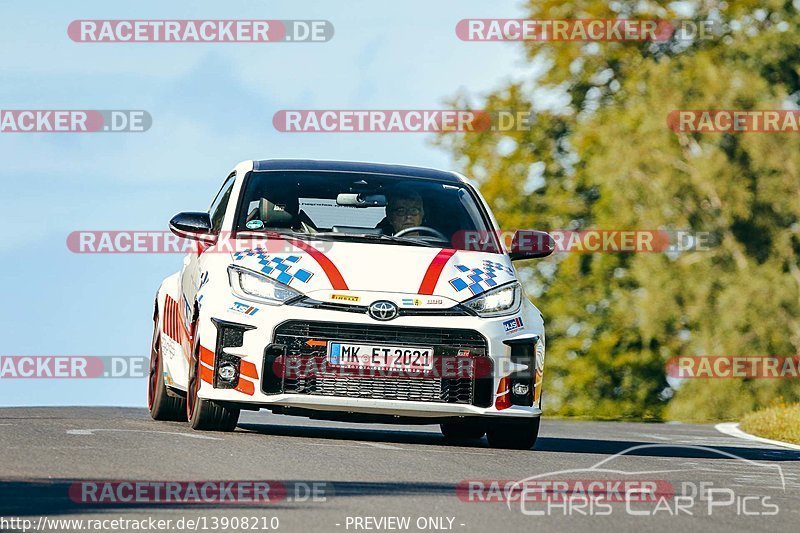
point(218, 207)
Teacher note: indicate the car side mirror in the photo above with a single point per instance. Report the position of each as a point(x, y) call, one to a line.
point(190, 225)
point(530, 244)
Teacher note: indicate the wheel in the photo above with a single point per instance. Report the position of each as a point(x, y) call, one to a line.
point(205, 415)
point(162, 406)
point(463, 431)
point(514, 435)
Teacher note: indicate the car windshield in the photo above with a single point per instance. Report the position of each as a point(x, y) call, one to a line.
point(370, 207)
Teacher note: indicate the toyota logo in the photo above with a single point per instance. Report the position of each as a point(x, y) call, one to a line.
point(383, 310)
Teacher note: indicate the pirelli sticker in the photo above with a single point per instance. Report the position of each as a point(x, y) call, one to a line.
point(345, 298)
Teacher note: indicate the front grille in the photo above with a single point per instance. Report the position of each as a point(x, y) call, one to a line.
point(457, 310)
point(292, 337)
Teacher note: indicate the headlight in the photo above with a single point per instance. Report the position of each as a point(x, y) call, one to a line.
point(249, 284)
point(500, 301)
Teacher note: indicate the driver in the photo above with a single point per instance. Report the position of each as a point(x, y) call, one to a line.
point(404, 209)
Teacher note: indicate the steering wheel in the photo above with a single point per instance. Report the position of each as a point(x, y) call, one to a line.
point(425, 229)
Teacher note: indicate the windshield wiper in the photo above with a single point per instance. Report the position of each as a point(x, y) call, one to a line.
point(407, 241)
point(332, 236)
point(282, 233)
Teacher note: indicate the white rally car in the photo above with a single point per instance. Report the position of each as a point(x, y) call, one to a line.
point(350, 291)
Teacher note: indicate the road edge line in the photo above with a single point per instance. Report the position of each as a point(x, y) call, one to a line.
point(732, 429)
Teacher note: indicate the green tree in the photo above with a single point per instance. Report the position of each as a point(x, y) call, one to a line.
point(600, 155)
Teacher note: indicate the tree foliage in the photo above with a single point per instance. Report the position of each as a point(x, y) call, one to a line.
point(599, 154)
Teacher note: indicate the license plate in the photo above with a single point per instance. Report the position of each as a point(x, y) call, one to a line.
point(378, 356)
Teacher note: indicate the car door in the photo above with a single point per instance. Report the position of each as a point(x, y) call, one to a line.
point(190, 275)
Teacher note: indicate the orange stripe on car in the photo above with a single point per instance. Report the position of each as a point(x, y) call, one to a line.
point(503, 397)
point(537, 386)
point(206, 374)
point(313, 342)
point(246, 387)
point(246, 368)
point(207, 356)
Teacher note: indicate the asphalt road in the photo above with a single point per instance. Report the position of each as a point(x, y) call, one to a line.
point(374, 472)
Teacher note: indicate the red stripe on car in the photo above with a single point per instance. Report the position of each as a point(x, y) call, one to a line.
point(169, 318)
point(435, 270)
point(334, 276)
point(166, 317)
point(175, 318)
point(174, 314)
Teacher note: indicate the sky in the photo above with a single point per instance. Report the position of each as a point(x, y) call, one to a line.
point(212, 106)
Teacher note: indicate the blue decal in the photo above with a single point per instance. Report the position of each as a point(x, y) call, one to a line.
point(277, 267)
point(513, 324)
point(336, 353)
point(479, 280)
point(245, 309)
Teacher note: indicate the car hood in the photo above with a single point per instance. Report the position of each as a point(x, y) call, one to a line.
point(328, 268)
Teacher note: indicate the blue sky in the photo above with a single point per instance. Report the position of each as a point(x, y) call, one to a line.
point(212, 106)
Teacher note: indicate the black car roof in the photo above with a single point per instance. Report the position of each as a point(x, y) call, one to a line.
point(353, 166)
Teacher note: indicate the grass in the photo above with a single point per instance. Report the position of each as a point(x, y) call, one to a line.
point(781, 422)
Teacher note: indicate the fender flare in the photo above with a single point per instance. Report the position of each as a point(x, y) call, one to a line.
point(170, 286)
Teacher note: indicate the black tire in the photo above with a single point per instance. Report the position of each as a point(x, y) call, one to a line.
point(463, 431)
point(514, 435)
point(162, 406)
point(206, 415)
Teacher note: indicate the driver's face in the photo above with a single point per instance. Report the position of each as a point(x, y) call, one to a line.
point(405, 213)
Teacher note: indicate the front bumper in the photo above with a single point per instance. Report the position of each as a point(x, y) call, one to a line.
point(404, 408)
point(264, 335)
